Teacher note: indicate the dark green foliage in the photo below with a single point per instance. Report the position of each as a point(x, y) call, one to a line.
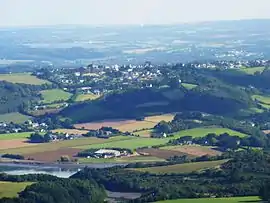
point(38, 138)
point(60, 191)
point(27, 178)
point(13, 156)
point(103, 132)
point(17, 97)
point(243, 175)
point(265, 192)
point(141, 102)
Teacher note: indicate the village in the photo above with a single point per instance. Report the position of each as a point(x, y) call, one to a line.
point(100, 79)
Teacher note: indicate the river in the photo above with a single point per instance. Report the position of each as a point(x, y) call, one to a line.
point(59, 170)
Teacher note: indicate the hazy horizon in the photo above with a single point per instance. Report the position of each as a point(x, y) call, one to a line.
point(127, 12)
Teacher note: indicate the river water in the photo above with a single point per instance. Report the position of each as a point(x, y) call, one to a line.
point(59, 170)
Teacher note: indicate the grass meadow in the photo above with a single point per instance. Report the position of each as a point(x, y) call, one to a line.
point(200, 132)
point(54, 95)
point(25, 78)
point(11, 189)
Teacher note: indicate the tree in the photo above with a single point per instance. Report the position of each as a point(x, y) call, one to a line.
point(65, 158)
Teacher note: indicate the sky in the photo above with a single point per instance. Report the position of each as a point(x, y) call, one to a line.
point(123, 12)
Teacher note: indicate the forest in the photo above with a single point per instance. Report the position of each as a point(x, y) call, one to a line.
point(54, 190)
point(243, 175)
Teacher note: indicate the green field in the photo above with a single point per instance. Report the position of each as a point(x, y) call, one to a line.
point(144, 133)
point(25, 78)
point(256, 110)
point(14, 117)
point(182, 168)
point(54, 95)
point(252, 71)
point(200, 132)
point(189, 86)
point(132, 144)
point(85, 97)
point(52, 146)
point(267, 106)
point(133, 159)
point(14, 136)
point(262, 99)
point(11, 189)
point(215, 200)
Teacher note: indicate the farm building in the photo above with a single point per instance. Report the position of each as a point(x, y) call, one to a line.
point(107, 153)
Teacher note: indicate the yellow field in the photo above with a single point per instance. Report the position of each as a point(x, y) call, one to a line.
point(11, 189)
point(86, 97)
point(157, 119)
point(127, 125)
point(136, 125)
point(144, 133)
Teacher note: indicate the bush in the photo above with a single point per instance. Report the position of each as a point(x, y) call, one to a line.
point(13, 156)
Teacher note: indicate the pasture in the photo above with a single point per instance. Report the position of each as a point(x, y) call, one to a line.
point(189, 86)
point(215, 200)
point(14, 117)
point(193, 150)
point(182, 168)
point(86, 97)
point(25, 78)
point(13, 136)
point(54, 95)
point(54, 146)
point(130, 159)
point(200, 132)
point(131, 143)
point(143, 133)
point(11, 189)
point(252, 71)
point(262, 98)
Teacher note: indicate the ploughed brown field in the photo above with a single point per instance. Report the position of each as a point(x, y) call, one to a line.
point(52, 156)
point(194, 150)
point(107, 123)
point(17, 143)
point(160, 153)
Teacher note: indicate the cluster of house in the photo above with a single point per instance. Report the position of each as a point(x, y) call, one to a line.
point(91, 79)
point(42, 107)
point(62, 136)
point(25, 127)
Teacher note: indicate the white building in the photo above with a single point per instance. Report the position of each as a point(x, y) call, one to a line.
point(107, 153)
